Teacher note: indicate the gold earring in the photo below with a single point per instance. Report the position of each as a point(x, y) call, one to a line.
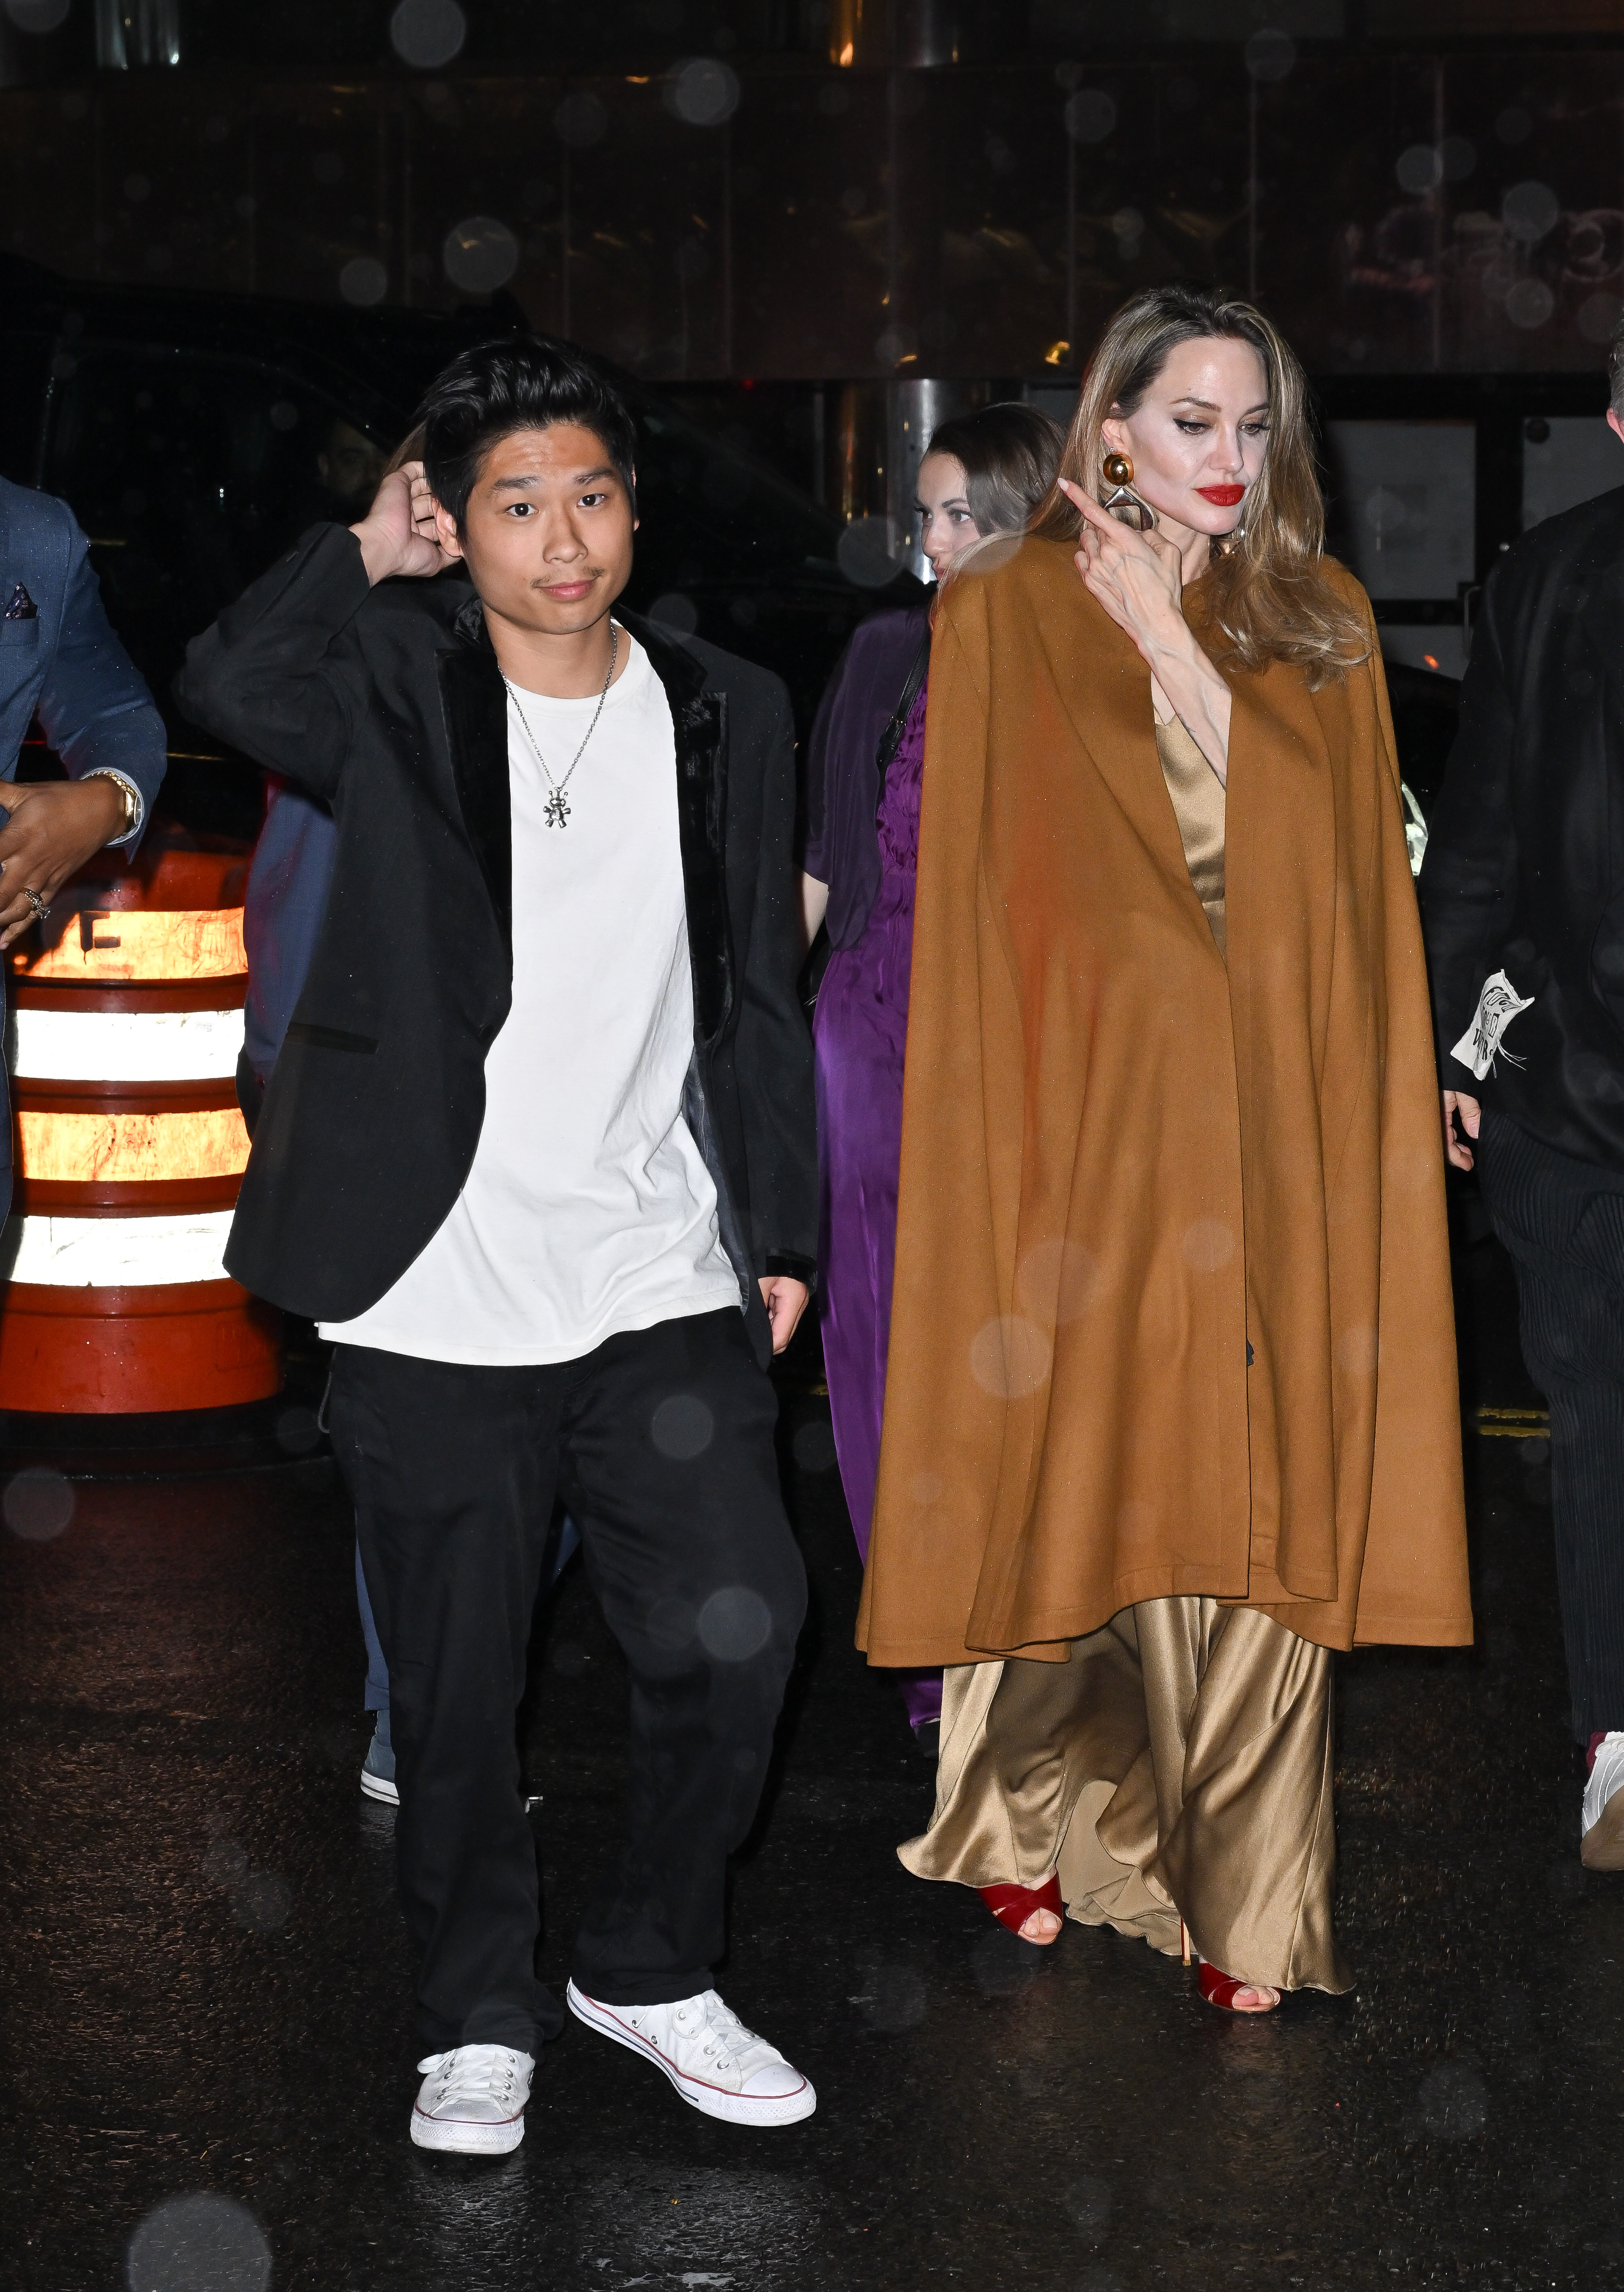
point(1122, 502)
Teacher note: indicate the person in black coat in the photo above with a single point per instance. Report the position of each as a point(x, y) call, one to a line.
point(1522, 905)
point(539, 1157)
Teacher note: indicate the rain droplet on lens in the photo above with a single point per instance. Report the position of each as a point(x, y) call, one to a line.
point(681, 1427)
point(262, 1901)
point(39, 15)
point(225, 1864)
point(199, 2243)
point(1530, 210)
point(363, 281)
point(1088, 2202)
point(1010, 1357)
point(1529, 303)
point(1598, 315)
point(581, 121)
point(870, 551)
point(1207, 1244)
point(813, 1446)
point(479, 255)
point(704, 92)
point(671, 1624)
point(38, 1504)
point(1454, 2101)
point(427, 33)
point(893, 1998)
point(1003, 1963)
point(1419, 169)
point(675, 612)
point(735, 1624)
point(297, 1430)
point(1090, 115)
point(1270, 54)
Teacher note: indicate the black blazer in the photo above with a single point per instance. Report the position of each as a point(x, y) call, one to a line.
point(1524, 866)
point(388, 702)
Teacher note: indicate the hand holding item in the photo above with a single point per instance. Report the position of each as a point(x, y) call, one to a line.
point(55, 826)
point(398, 533)
point(1470, 1110)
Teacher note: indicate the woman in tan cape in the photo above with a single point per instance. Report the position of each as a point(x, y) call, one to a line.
point(1171, 1405)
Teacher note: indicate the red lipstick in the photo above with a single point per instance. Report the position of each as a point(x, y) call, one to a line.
point(1221, 497)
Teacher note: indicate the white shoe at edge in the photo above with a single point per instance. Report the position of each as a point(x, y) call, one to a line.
point(473, 2099)
point(715, 2063)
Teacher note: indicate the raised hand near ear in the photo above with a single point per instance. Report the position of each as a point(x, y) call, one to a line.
point(1137, 577)
point(398, 534)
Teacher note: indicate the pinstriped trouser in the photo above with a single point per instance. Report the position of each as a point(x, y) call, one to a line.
point(1563, 1222)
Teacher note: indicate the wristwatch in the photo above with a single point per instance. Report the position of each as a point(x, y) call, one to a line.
point(134, 807)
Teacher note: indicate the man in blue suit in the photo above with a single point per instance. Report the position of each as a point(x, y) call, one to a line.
point(59, 661)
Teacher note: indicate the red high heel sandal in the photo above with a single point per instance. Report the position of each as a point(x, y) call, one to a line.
point(1012, 1906)
point(1221, 1990)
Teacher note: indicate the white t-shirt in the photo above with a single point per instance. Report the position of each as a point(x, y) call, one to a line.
point(588, 1209)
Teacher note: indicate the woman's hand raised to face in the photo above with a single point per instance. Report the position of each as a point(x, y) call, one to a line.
point(1137, 577)
point(398, 533)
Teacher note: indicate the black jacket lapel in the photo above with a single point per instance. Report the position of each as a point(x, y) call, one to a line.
point(475, 703)
point(698, 719)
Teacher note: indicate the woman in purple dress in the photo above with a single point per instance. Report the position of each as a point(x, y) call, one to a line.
point(983, 475)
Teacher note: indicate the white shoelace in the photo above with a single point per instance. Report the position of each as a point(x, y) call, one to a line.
point(725, 2037)
point(472, 2073)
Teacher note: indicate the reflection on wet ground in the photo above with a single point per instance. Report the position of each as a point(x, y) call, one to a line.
point(209, 2063)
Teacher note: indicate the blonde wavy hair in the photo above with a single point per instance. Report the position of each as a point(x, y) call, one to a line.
point(1268, 596)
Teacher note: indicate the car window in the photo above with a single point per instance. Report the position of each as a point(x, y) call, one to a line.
point(191, 473)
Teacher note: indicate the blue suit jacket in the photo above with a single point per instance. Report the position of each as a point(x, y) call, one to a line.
point(67, 667)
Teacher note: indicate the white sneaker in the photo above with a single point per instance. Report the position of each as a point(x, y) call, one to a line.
point(1602, 1847)
point(715, 2063)
point(472, 2099)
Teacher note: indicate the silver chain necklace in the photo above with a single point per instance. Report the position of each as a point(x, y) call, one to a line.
point(557, 812)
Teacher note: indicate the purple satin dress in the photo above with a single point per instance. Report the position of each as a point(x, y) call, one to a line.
point(860, 1032)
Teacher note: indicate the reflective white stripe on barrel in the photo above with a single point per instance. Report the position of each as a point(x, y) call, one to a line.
point(125, 1045)
point(115, 1253)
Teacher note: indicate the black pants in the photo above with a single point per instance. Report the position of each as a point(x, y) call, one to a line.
point(1563, 1222)
point(660, 1443)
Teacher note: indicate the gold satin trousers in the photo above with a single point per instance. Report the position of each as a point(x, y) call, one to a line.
point(1179, 1763)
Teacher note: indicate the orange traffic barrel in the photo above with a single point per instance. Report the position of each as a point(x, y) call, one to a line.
point(122, 1041)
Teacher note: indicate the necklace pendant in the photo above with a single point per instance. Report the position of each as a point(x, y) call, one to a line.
point(557, 812)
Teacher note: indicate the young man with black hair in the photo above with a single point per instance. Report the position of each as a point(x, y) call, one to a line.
point(537, 1157)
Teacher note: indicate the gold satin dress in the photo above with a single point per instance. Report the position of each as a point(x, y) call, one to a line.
point(1179, 1763)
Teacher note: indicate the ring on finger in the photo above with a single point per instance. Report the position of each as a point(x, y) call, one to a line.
point(42, 907)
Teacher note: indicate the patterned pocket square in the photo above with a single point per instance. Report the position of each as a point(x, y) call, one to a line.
point(20, 606)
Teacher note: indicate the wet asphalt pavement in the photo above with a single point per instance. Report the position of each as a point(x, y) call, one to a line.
point(207, 2062)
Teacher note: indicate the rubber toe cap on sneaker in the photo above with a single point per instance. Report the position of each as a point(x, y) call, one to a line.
point(774, 2081)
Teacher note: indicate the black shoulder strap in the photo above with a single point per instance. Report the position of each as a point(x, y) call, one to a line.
point(891, 738)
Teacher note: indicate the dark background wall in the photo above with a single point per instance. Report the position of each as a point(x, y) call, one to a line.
point(707, 192)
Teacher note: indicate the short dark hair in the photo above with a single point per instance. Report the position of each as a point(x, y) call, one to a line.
point(1009, 454)
point(524, 381)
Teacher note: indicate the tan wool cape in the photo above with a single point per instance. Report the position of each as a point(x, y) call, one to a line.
point(1172, 1309)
